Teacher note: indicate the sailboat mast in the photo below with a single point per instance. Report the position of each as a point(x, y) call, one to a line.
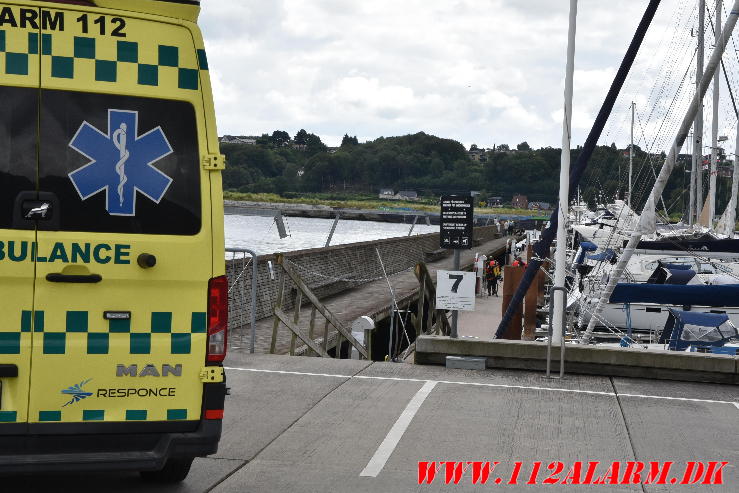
point(714, 129)
point(697, 175)
point(631, 153)
point(560, 255)
point(647, 220)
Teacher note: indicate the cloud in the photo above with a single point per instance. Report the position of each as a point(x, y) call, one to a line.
point(482, 71)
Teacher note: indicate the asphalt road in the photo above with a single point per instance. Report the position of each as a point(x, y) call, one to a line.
point(298, 424)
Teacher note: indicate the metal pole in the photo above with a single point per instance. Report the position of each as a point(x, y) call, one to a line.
point(647, 218)
point(333, 228)
point(560, 255)
point(415, 218)
point(547, 235)
point(714, 129)
point(455, 313)
point(699, 117)
point(551, 333)
point(631, 152)
point(394, 306)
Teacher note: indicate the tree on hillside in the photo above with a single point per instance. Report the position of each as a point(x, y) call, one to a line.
point(347, 141)
point(301, 137)
point(523, 146)
point(314, 145)
point(264, 140)
point(280, 138)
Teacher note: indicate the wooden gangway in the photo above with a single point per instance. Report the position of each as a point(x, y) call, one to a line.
point(372, 299)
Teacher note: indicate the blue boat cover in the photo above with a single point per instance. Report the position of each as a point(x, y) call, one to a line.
point(684, 329)
point(675, 266)
point(680, 276)
point(672, 294)
point(701, 319)
point(606, 254)
point(588, 246)
point(585, 247)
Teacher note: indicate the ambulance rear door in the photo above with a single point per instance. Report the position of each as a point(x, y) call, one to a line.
point(19, 97)
point(122, 271)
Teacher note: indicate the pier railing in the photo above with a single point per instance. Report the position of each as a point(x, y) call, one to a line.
point(334, 333)
point(429, 319)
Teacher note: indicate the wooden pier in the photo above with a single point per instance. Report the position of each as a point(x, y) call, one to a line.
point(372, 299)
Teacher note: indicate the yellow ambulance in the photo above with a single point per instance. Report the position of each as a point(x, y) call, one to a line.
point(113, 299)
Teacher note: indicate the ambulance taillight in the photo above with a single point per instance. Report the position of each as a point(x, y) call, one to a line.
point(217, 318)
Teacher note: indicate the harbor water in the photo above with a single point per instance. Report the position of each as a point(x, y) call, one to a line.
point(260, 233)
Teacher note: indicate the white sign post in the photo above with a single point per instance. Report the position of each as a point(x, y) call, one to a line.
point(455, 290)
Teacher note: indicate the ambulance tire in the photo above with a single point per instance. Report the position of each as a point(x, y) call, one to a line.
point(174, 471)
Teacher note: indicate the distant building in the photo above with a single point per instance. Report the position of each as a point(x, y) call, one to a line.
point(520, 202)
point(333, 150)
point(406, 195)
point(540, 206)
point(232, 139)
point(477, 155)
point(387, 194)
point(495, 202)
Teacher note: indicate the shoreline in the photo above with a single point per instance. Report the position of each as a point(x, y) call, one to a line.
point(390, 214)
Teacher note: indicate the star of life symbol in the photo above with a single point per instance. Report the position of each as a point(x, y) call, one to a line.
point(121, 162)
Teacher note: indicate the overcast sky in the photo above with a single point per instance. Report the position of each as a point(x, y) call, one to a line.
point(478, 71)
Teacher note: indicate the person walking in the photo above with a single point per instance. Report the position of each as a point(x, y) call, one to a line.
point(490, 280)
point(496, 277)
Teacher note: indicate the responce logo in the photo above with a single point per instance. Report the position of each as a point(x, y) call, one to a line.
point(77, 392)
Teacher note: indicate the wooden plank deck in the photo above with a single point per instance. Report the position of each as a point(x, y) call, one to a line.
point(372, 299)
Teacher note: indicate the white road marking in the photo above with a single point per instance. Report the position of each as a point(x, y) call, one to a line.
point(493, 385)
point(257, 370)
point(386, 448)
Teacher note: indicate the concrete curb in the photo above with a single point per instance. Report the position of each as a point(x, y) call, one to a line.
point(589, 360)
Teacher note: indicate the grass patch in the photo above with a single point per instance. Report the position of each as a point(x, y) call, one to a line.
point(362, 202)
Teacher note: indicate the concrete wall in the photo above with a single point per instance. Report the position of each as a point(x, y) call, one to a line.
point(328, 271)
point(584, 359)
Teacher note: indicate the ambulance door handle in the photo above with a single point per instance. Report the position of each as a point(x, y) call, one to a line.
point(8, 371)
point(74, 278)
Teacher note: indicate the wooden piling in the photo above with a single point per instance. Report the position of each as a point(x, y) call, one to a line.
point(511, 279)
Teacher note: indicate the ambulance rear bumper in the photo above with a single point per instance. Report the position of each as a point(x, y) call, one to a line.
point(21, 454)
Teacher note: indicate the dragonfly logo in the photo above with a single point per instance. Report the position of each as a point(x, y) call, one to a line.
point(77, 392)
point(121, 162)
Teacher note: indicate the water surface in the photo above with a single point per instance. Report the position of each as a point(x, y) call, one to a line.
point(260, 233)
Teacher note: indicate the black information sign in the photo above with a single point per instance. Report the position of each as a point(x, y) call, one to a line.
point(456, 222)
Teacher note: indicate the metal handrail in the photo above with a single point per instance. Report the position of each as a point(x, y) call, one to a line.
point(254, 273)
point(551, 331)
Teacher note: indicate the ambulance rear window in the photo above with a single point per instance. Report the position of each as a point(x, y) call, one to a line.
point(17, 147)
point(120, 164)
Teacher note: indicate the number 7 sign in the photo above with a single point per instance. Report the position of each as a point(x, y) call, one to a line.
point(455, 290)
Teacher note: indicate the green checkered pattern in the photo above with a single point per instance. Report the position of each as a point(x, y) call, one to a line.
point(17, 57)
point(94, 415)
point(97, 415)
point(127, 58)
point(160, 325)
